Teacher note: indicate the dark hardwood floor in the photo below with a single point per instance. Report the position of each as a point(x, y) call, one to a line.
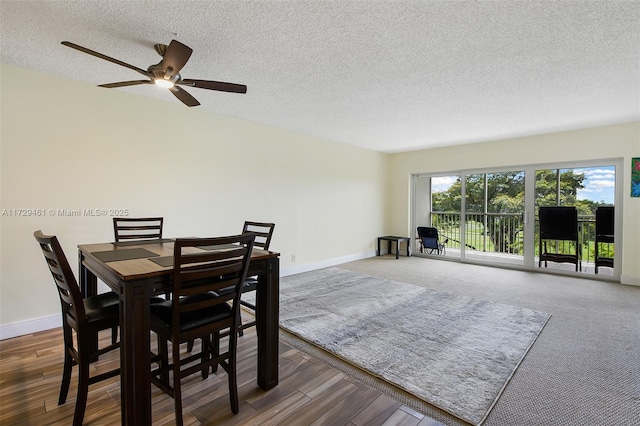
point(310, 391)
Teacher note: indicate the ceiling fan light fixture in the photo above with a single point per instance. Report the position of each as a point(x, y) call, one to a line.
point(164, 83)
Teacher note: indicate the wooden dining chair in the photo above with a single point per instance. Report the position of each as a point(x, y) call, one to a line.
point(84, 316)
point(137, 228)
point(132, 229)
point(197, 311)
point(263, 232)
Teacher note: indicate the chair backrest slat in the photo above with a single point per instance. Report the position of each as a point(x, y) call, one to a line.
point(221, 263)
point(263, 232)
point(68, 290)
point(137, 228)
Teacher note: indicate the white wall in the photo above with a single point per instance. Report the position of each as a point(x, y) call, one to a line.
point(69, 145)
point(617, 141)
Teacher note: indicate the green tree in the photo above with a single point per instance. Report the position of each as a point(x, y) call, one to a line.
point(505, 195)
point(449, 200)
point(548, 193)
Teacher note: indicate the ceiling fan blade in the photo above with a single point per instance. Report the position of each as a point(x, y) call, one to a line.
point(105, 57)
point(125, 83)
point(184, 96)
point(214, 85)
point(175, 57)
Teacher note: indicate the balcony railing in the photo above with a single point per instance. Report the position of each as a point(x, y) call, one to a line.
point(504, 233)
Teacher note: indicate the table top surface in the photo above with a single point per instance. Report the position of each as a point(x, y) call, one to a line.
point(137, 261)
point(390, 237)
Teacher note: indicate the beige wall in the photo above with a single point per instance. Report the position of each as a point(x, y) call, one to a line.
point(618, 141)
point(68, 145)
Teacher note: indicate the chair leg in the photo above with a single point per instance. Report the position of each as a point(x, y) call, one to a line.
point(240, 332)
point(177, 401)
point(233, 390)
point(163, 350)
point(114, 335)
point(233, 379)
point(83, 391)
point(215, 348)
point(68, 364)
point(205, 356)
point(189, 345)
point(66, 377)
point(177, 388)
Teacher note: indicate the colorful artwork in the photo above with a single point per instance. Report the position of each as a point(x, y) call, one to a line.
point(635, 177)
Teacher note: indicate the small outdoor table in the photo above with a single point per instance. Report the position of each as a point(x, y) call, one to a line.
point(397, 240)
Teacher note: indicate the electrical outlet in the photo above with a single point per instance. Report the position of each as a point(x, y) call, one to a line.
point(293, 257)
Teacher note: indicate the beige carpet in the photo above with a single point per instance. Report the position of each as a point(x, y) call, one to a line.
point(584, 368)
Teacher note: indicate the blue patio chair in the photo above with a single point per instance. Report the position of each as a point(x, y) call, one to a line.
point(430, 240)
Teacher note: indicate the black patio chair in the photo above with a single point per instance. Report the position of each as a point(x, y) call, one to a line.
point(604, 235)
point(430, 240)
point(558, 223)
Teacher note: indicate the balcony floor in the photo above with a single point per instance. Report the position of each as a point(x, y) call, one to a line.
point(510, 260)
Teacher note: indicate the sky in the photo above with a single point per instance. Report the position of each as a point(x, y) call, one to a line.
point(442, 183)
point(599, 183)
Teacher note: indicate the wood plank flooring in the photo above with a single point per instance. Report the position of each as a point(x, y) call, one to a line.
point(310, 391)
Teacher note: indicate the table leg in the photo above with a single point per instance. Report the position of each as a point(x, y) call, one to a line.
point(397, 249)
point(267, 324)
point(88, 281)
point(135, 360)
point(88, 287)
point(379, 254)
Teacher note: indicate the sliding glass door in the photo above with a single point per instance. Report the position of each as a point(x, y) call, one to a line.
point(589, 190)
point(491, 216)
point(438, 205)
point(494, 228)
point(479, 216)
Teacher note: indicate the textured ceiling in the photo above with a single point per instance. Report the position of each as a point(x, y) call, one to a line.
point(386, 75)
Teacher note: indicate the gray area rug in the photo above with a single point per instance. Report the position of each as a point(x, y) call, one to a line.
point(455, 352)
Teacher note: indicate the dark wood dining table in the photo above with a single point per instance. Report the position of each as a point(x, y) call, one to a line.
point(139, 270)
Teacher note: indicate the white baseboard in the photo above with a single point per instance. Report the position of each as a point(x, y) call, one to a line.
point(33, 325)
point(629, 280)
point(324, 263)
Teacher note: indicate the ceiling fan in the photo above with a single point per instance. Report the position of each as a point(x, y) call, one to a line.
point(166, 73)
